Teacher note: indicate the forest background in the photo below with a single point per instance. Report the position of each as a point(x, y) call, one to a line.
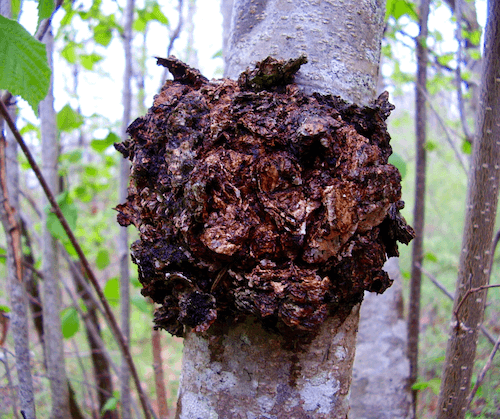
point(88, 66)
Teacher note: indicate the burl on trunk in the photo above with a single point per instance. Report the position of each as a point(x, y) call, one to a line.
point(251, 197)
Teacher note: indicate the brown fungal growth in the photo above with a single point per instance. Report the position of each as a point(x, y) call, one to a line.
point(251, 197)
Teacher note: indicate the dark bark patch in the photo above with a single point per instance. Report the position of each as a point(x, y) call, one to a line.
point(251, 197)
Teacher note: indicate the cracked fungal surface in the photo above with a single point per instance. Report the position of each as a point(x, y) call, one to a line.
point(251, 197)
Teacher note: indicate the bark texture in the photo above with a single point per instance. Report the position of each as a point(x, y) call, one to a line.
point(340, 38)
point(125, 397)
point(475, 261)
point(54, 349)
point(380, 387)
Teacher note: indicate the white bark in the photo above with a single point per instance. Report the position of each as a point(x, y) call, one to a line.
point(341, 39)
point(18, 299)
point(54, 345)
point(123, 250)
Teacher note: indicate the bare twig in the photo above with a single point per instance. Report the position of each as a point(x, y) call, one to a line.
point(173, 37)
point(469, 292)
point(13, 397)
point(445, 129)
point(482, 374)
point(57, 210)
point(450, 296)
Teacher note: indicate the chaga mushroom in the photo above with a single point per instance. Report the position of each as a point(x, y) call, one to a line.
point(251, 197)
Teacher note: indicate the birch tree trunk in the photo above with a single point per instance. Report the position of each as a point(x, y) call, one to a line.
point(123, 250)
point(54, 346)
point(475, 260)
point(9, 215)
point(244, 371)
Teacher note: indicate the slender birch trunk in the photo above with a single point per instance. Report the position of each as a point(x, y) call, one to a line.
point(123, 250)
point(51, 294)
point(475, 259)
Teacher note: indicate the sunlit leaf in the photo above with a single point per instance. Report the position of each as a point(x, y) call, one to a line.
point(430, 145)
point(158, 15)
point(29, 127)
point(431, 257)
point(69, 52)
point(4, 309)
point(103, 34)
point(45, 9)
point(398, 8)
point(70, 322)
point(466, 147)
point(101, 145)
point(68, 119)
point(433, 384)
point(112, 291)
point(24, 68)
point(88, 60)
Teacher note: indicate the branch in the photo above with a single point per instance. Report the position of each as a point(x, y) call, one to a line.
point(445, 129)
point(450, 296)
point(482, 374)
point(467, 294)
point(57, 210)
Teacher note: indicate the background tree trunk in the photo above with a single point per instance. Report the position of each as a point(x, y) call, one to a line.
point(123, 248)
point(9, 215)
point(53, 339)
point(475, 260)
point(419, 207)
point(244, 370)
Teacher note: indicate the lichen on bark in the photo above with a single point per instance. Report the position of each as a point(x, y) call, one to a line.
point(251, 197)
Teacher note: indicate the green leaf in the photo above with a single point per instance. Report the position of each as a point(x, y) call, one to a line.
point(71, 157)
point(82, 193)
point(473, 36)
point(430, 145)
point(218, 54)
point(45, 9)
point(112, 291)
point(433, 384)
point(431, 257)
point(396, 160)
point(103, 34)
point(101, 145)
point(102, 259)
point(111, 403)
point(3, 252)
point(445, 59)
point(398, 8)
point(466, 147)
point(69, 52)
point(88, 60)
point(158, 15)
point(4, 309)
point(28, 128)
point(25, 71)
point(141, 304)
point(91, 170)
point(15, 7)
point(68, 119)
point(70, 322)
point(139, 24)
point(70, 212)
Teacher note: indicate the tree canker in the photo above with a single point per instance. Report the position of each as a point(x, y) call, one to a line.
point(251, 197)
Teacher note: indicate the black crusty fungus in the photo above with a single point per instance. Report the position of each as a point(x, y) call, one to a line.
point(251, 197)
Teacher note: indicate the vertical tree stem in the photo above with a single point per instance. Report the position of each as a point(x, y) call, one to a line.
point(419, 208)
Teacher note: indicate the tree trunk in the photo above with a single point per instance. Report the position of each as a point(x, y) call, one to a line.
point(475, 260)
point(244, 370)
point(123, 238)
point(9, 214)
point(54, 348)
point(419, 207)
